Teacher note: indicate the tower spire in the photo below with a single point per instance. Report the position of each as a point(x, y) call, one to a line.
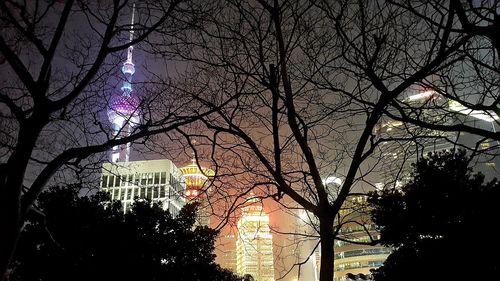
point(132, 24)
point(128, 68)
point(123, 110)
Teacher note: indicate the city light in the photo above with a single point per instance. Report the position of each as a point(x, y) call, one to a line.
point(332, 179)
point(488, 116)
point(427, 95)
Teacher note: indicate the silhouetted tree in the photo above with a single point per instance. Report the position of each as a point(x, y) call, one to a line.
point(57, 58)
point(439, 223)
point(84, 238)
point(309, 83)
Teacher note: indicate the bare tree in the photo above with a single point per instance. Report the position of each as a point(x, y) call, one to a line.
point(468, 81)
point(309, 82)
point(451, 101)
point(58, 64)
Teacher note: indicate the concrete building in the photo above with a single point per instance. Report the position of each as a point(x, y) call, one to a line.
point(157, 180)
point(254, 246)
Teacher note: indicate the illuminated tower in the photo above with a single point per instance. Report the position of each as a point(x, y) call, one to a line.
point(158, 181)
point(254, 247)
point(123, 111)
point(196, 179)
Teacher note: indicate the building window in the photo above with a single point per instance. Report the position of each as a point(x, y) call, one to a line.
point(104, 181)
point(157, 178)
point(163, 177)
point(136, 179)
point(150, 179)
point(111, 181)
point(155, 192)
point(485, 145)
point(176, 184)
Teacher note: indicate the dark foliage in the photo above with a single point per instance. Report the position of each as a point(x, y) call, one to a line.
point(440, 223)
point(88, 238)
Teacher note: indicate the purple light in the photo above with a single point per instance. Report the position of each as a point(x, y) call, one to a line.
point(123, 106)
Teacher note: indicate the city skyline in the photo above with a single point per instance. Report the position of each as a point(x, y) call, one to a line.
point(304, 104)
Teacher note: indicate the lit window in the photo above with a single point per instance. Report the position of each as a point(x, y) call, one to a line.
point(104, 181)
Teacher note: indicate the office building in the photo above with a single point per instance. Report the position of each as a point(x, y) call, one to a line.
point(403, 144)
point(156, 180)
point(254, 246)
point(225, 251)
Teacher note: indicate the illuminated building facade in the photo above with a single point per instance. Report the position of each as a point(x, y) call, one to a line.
point(353, 259)
point(196, 189)
point(226, 252)
point(254, 246)
point(404, 143)
point(157, 180)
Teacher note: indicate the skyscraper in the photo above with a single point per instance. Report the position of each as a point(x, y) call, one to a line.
point(254, 247)
point(225, 250)
point(403, 144)
point(196, 180)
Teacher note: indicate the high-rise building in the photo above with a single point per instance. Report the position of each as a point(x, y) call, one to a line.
point(157, 180)
point(123, 111)
point(196, 178)
point(225, 251)
point(403, 144)
point(352, 259)
point(254, 246)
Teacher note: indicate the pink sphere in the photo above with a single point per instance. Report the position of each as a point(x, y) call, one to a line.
point(123, 106)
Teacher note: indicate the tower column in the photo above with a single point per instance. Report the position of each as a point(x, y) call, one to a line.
point(123, 110)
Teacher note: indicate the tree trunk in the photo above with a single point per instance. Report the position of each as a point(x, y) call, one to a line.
point(327, 255)
point(11, 183)
point(10, 224)
point(10, 212)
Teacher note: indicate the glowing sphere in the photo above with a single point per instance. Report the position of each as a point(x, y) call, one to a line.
point(123, 107)
point(128, 68)
point(195, 179)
